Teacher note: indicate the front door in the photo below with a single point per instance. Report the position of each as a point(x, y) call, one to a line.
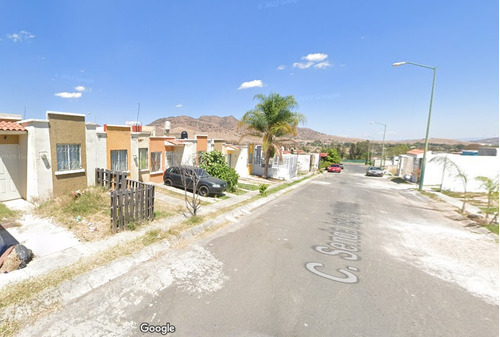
point(10, 182)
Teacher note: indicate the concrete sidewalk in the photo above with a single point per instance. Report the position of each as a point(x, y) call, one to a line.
point(55, 247)
point(457, 203)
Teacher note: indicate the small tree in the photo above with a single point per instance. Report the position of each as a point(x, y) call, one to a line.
point(450, 165)
point(332, 158)
point(214, 163)
point(491, 187)
point(190, 179)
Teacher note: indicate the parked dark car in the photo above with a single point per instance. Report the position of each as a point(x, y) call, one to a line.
point(334, 168)
point(181, 176)
point(375, 171)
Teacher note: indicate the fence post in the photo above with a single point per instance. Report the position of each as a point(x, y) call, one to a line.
point(130, 200)
point(113, 211)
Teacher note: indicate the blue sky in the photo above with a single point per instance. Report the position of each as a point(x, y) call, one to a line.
point(211, 57)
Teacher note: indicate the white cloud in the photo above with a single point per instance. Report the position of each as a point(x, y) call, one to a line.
point(316, 57)
point(251, 84)
point(281, 67)
point(322, 65)
point(179, 106)
point(69, 94)
point(80, 88)
point(21, 36)
point(315, 60)
point(302, 65)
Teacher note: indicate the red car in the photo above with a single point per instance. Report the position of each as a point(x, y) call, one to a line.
point(334, 168)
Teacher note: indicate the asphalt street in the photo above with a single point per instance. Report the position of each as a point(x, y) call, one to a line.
point(343, 255)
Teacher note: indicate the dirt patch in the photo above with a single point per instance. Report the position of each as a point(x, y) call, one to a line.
point(88, 215)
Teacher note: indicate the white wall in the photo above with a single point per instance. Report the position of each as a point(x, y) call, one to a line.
point(472, 166)
point(239, 161)
point(38, 159)
point(303, 162)
point(285, 170)
point(91, 146)
point(101, 155)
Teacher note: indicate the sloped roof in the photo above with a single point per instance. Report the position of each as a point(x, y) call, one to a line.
point(174, 142)
point(415, 151)
point(11, 126)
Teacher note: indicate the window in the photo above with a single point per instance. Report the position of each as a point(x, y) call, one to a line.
point(257, 154)
point(155, 161)
point(169, 158)
point(200, 154)
point(143, 159)
point(250, 158)
point(68, 157)
point(119, 160)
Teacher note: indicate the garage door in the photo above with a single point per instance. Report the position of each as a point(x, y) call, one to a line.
point(10, 181)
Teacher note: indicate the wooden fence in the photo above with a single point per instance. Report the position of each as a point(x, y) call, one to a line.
point(131, 200)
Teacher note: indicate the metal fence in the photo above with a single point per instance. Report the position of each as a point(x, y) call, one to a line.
point(131, 200)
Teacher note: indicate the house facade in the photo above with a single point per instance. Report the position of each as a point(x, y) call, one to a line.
point(41, 158)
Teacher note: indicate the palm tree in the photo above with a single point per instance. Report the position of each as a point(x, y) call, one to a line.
point(271, 119)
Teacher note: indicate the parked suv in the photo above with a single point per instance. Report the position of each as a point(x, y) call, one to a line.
point(181, 176)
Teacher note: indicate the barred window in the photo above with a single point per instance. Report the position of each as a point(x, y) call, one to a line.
point(143, 159)
point(257, 151)
point(155, 161)
point(119, 160)
point(68, 157)
point(169, 158)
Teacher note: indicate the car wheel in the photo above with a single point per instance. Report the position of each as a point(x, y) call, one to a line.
point(203, 191)
point(168, 182)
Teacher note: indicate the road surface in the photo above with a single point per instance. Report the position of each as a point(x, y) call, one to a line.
point(343, 255)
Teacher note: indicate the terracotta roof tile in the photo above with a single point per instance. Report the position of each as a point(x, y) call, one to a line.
point(416, 151)
point(11, 126)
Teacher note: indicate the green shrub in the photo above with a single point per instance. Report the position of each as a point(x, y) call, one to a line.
point(263, 189)
point(214, 163)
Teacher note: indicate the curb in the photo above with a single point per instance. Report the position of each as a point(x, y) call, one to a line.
point(82, 284)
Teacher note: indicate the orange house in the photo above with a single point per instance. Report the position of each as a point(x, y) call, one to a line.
point(118, 147)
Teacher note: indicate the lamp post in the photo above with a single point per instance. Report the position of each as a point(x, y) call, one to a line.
point(368, 154)
point(383, 143)
point(422, 170)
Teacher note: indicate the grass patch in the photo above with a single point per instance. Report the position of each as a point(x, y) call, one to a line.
point(492, 228)
point(430, 195)
point(92, 210)
point(249, 187)
point(7, 213)
point(240, 191)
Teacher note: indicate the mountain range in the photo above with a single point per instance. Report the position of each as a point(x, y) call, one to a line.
point(226, 128)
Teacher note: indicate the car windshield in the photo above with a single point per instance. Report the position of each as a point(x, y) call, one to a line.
point(376, 168)
point(201, 173)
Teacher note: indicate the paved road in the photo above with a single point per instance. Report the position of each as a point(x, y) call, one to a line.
point(344, 255)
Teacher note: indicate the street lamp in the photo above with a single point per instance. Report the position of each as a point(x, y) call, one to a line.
point(422, 170)
point(368, 154)
point(383, 143)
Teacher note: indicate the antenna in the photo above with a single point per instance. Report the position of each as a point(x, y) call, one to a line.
point(24, 115)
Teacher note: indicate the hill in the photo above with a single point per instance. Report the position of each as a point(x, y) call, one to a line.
point(216, 127)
